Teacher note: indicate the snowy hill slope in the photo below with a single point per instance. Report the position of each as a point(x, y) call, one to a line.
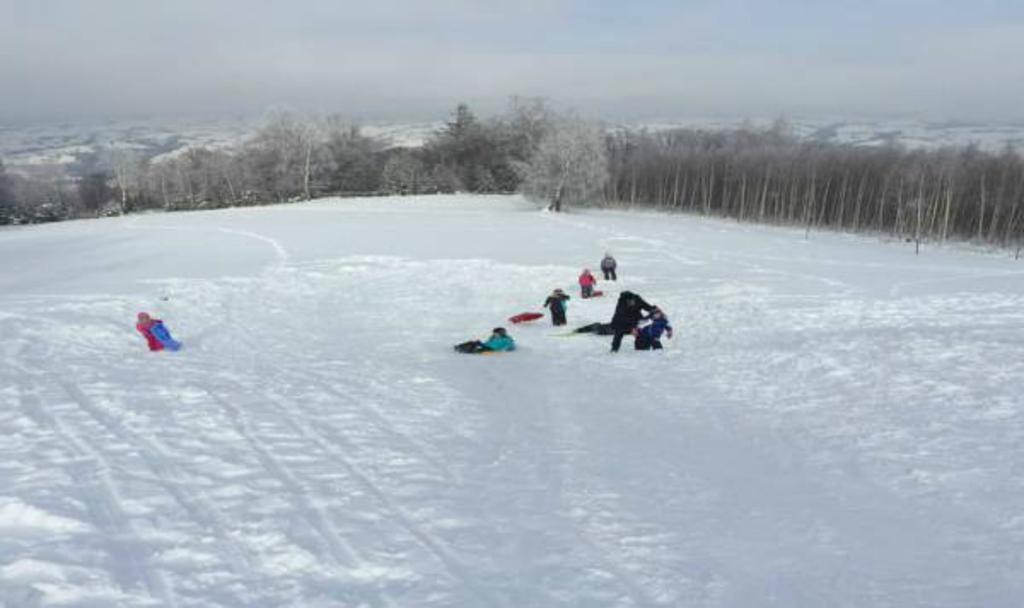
point(836, 423)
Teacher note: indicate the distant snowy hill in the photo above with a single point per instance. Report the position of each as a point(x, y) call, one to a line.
point(76, 146)
point(910, 133)
point(836, 421)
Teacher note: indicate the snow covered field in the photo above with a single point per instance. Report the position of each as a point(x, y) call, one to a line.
point(836, 423)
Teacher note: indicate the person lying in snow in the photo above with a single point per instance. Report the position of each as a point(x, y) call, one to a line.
point(156, 334)
point(587, 282)
point(557, 303)
point(648, 337)
point(599, 329)
point(499, 342)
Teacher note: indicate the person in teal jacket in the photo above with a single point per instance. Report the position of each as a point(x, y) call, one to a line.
point(499, 342)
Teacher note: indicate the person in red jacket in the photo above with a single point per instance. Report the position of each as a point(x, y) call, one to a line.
point(587, 282)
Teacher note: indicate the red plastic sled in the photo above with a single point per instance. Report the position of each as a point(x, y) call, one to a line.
point(525, 317)
point(595, 294)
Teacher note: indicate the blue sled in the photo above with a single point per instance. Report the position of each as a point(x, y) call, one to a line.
point(164, 336)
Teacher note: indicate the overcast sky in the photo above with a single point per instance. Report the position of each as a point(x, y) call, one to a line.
point(391, 59)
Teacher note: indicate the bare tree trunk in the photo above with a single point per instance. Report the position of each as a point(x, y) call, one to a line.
point(840, 220)
point(743, 195)
point(981, 212)
point(945, 215)
point(809, 203)
point(632, 186)
point(999, 204)
point(1011, 220)
point(231, 187)
point(916, 231)
point(675, 186)
point(857, 205)
point(163, 191)
point(898, 225)
point(306, 173)
point(764, 192)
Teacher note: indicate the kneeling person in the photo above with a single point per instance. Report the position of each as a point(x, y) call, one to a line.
point(648, 337)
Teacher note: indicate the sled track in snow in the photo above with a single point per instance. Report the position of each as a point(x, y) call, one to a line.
point(91, 471)
point(170, 478)
point(330, 441)
point(341, 553)
point(380, 420)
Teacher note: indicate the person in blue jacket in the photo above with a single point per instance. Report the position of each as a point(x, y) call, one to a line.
point(499, 342)
point(648, 337)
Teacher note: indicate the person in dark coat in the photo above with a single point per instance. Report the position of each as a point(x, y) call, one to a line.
point(628, 312)
point(608, 266)
point(556, 302)
point(648, 337)
point(599, 329)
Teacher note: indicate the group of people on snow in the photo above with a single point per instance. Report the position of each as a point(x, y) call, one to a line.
point(630, 311)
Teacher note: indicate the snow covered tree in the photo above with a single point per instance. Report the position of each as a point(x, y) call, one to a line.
point(352, 161)
point(94, 192)
point(480, 155)
point(45, 196)
point(402, 174)
point(127, 167)
point(280, 158)
point(570, 165)
point(528, 118)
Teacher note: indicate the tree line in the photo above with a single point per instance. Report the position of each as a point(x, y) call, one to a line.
point(750, 174)
point(769, 175)
point(288, 158)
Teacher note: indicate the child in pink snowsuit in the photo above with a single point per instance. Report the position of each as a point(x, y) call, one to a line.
point(156, 335)
point(145, 327)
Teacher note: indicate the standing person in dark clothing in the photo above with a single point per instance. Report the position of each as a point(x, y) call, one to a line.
point(628, 312)
point(557, 303)
point(608, 265)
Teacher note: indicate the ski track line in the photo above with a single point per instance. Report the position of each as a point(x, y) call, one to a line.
point(326, 437)
point(375, 415)
point(382, 422)
point(340, 551)
point(280, 252)
point(91, 471)
point(167, 472)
